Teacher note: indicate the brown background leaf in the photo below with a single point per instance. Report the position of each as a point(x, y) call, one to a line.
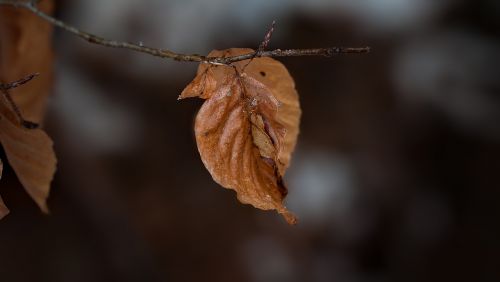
point(30, 153)
point(25, 48)
point(247, 128)
point(3, 209)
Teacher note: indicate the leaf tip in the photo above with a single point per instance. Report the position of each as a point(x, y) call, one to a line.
point(44, 208)
point(289, 217)
point(3, 210)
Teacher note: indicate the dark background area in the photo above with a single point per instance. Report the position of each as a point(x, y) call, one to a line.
point(396, 175)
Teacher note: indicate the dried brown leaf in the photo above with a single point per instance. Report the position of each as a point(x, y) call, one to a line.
point(30, 153)
point(25, 48)
point(247, 128)
point(3, 209)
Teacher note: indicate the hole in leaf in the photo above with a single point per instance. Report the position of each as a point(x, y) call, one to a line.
point(262, 73)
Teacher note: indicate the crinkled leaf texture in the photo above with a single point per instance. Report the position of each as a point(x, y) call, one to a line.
point(247, 128)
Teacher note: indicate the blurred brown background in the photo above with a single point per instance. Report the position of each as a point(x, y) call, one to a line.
point(395, 177)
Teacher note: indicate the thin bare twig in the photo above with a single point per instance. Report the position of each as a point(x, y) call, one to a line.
point(17, 83)
point(163, 53)
point(5, 87)
point(262, 46)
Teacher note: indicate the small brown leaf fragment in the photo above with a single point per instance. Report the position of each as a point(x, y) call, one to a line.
point(247, 128)
point(260, 137)
point(3, 209)
point(30, 153)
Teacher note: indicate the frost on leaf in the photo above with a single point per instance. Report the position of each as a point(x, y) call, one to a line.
point(247, 128)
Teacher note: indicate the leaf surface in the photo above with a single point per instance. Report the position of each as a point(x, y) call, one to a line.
point(26, 48)
point(3, 209)
point(247, 128)
point(30, 153)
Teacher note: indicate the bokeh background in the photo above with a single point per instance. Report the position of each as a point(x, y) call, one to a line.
point(396, 176)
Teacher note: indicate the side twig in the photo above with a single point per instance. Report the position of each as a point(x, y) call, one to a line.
point(163, 53)
point(262, 46)
point(5, 87)
point(17, 83)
